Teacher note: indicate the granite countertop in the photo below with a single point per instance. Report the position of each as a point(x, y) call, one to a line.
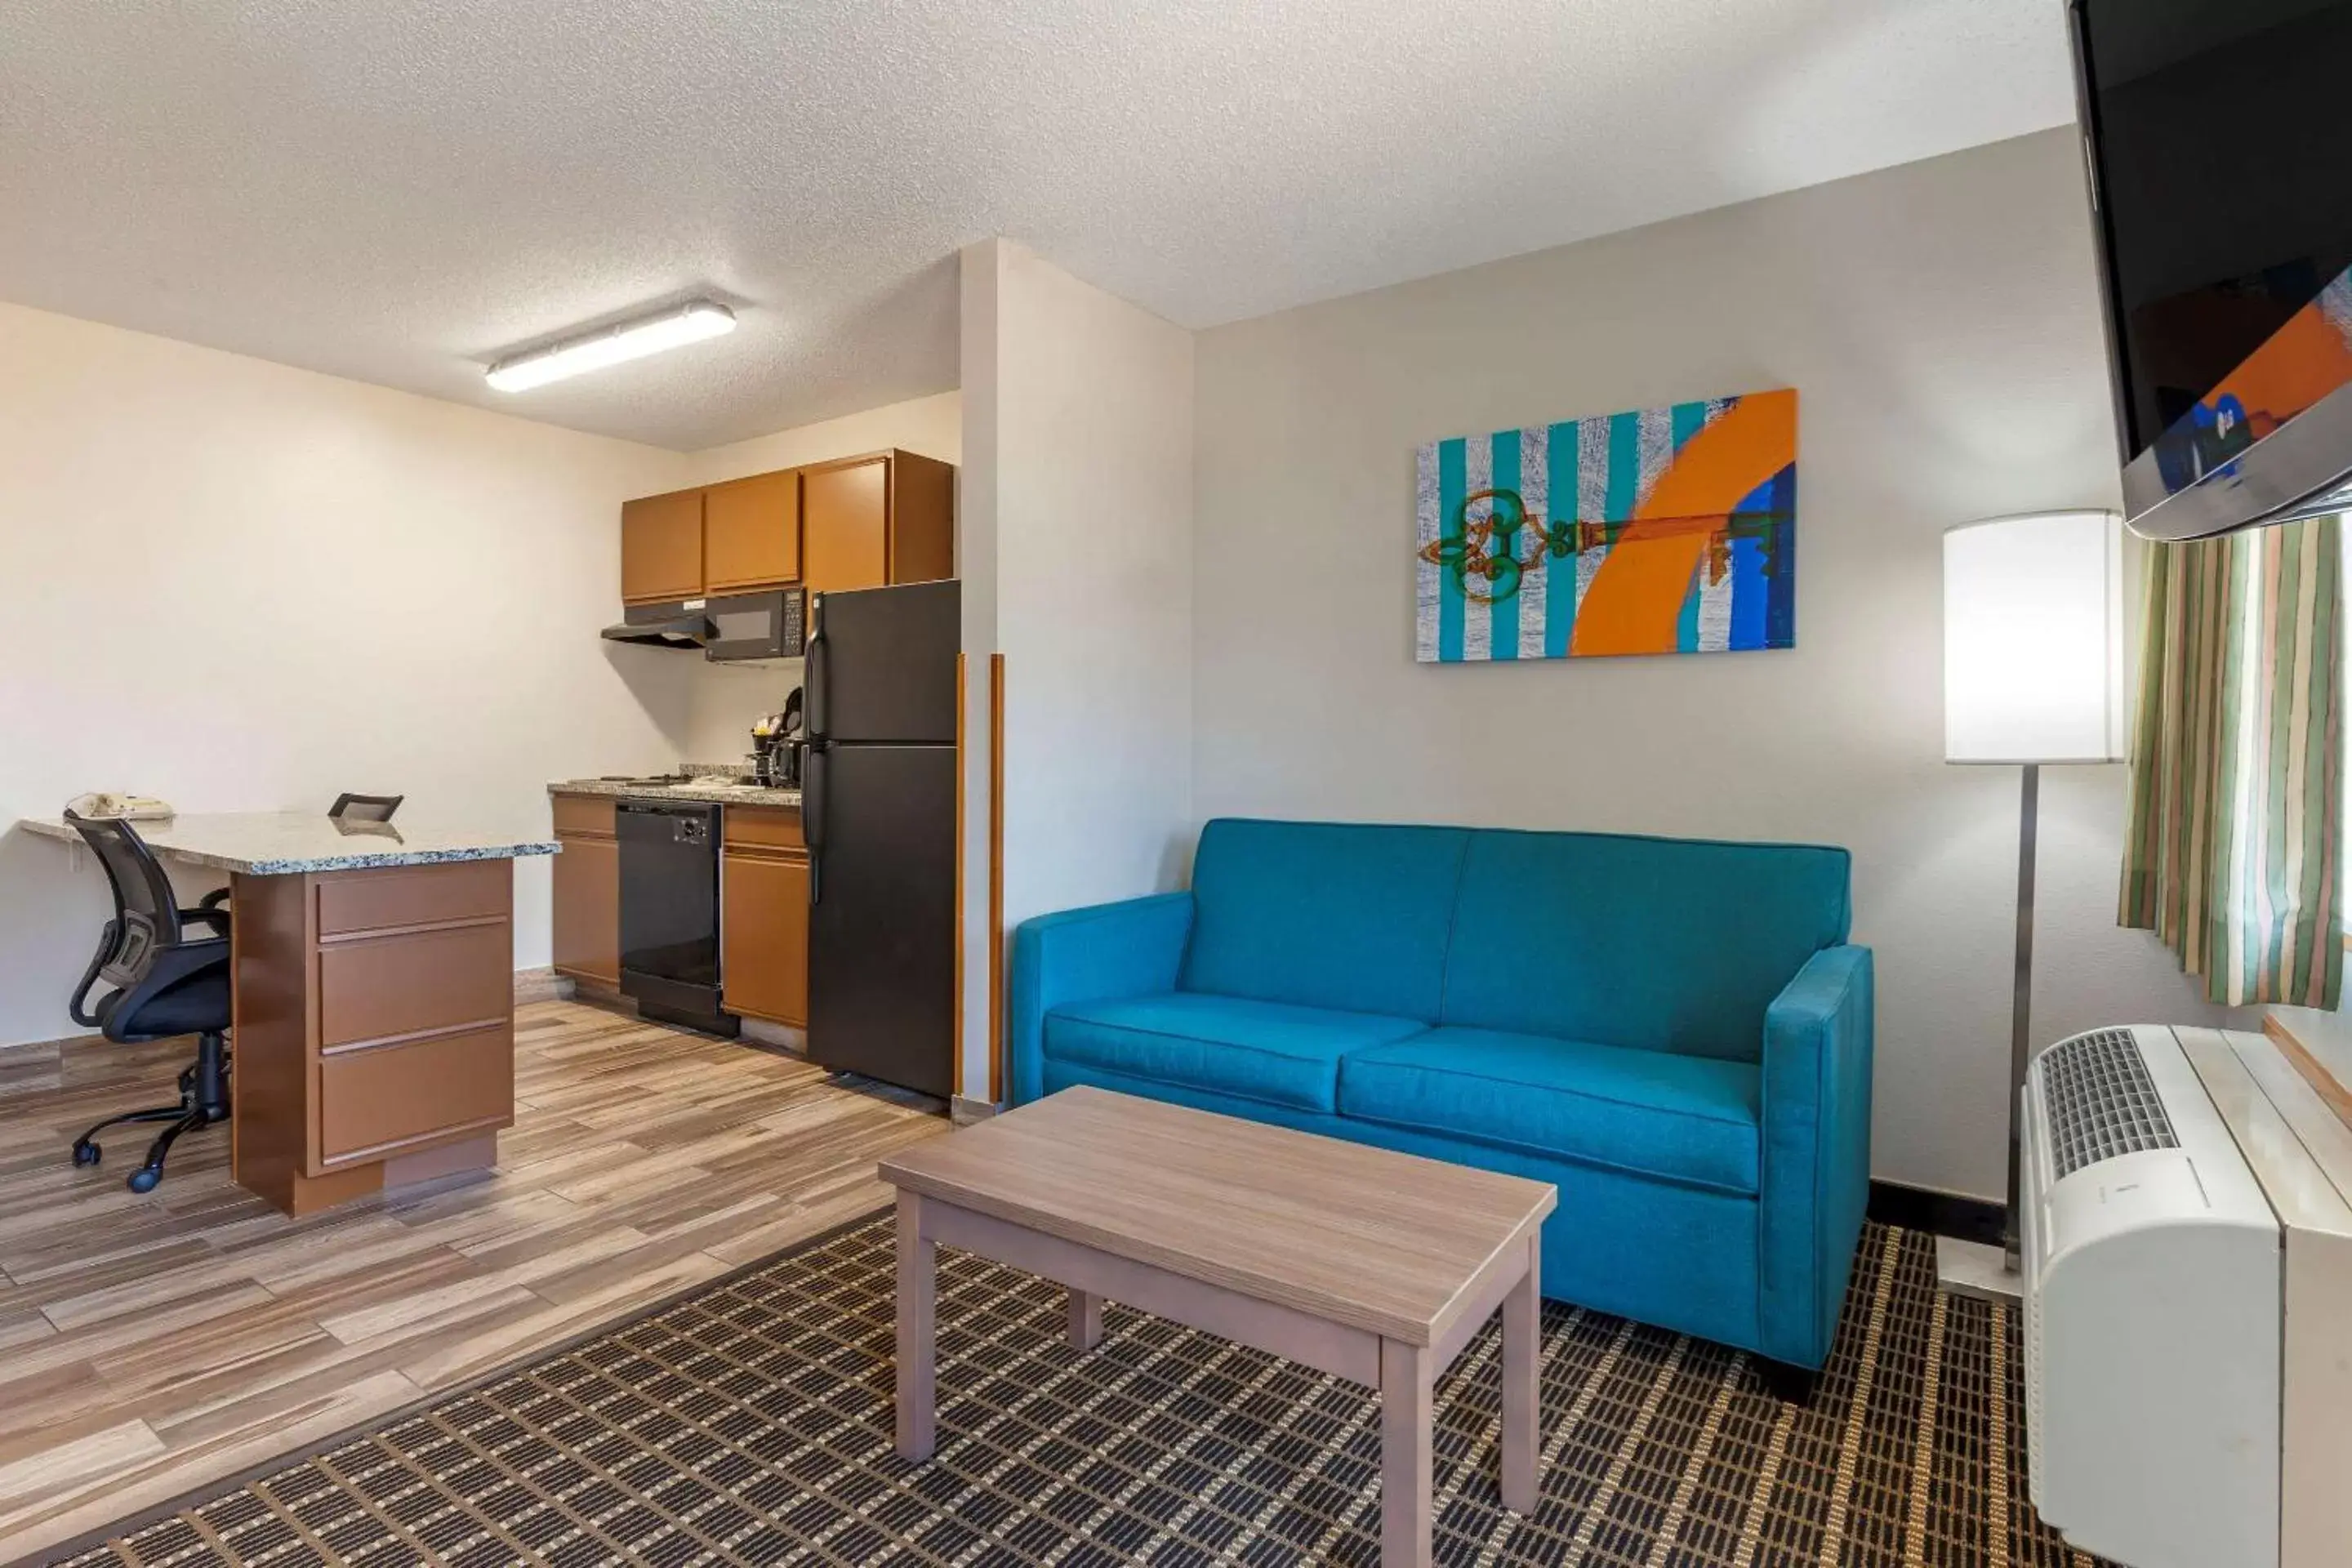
point(286, 843)
point(713, 790)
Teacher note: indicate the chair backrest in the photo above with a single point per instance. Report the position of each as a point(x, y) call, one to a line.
point(146, 909)
point(1344, 915)
point(366, 807)
point(1664, 945)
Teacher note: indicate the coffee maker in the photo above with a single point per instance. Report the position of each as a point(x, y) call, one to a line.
point(776, 745)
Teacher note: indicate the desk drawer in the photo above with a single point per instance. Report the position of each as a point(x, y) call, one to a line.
point(387, 1098)
point(413, 895)
point(376, 987)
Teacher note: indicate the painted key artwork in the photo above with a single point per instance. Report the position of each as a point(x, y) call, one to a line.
point(1663, 530)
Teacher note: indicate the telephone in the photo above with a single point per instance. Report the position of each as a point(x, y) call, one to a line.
point(123, 807)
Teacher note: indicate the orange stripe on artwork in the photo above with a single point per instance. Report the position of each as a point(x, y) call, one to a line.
point(1636, 597)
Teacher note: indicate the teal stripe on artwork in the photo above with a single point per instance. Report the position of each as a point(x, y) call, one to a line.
point(1687, 420)
point(1505, 610)
point(1690, 419)
point(1624, 464)
point(1452, 485)
point(1559, 571)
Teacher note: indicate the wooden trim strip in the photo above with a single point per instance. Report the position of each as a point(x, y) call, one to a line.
point(2336, 1095)
point(995, 878)
point(961, 850)
point(438, 1031)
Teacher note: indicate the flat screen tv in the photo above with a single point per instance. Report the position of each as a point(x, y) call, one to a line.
point(2220, 138)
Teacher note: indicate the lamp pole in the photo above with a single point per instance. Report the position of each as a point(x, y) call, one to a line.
point(2021, 1013)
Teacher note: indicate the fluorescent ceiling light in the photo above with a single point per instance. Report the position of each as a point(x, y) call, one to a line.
point(612, 345)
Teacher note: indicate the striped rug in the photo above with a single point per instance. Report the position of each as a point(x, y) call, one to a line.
point(750, 1422)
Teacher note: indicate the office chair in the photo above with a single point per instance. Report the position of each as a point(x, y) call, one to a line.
point(166, 983)
point(366, 807)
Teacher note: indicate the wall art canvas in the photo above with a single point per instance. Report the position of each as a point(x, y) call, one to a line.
point(1663, 530)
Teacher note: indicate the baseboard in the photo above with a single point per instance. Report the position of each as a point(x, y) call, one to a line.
point(541, 985)
point(1937, 1213)
point(964, 1112)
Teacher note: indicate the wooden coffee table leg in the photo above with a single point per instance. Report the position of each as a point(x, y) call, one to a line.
point(1522, 1354)
point(917, 1260)
point(1085, 1320)
point(1406, 1463)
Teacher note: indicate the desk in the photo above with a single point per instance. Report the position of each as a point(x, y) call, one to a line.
point(373, 979)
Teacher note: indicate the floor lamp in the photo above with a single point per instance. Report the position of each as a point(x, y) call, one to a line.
point(2033, 678)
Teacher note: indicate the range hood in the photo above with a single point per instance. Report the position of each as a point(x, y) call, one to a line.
point(662, 625)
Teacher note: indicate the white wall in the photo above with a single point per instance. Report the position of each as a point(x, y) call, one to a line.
point(1940, 321)
point(243, 587)
point(932, 426)
point(728, 699)
point(1078, 559)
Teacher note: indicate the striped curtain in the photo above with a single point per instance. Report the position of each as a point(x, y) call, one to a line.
point(2237, 797)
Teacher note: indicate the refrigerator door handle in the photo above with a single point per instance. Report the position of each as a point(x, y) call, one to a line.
point(817, 711)
point(813, 818)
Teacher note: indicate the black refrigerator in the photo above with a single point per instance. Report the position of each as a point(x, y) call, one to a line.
point(877, 807)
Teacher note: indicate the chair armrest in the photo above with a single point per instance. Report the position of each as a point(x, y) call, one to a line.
point(1815, 1182)
point(74, 1008)
point(1130, 949)
point(214, 915)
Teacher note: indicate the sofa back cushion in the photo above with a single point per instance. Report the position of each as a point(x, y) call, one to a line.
point(1323, 914)
point(1662, 944)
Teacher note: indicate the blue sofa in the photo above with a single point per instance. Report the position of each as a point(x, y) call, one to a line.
point(1675, 1033)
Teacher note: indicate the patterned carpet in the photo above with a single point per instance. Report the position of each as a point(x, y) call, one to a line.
point(750, 1424)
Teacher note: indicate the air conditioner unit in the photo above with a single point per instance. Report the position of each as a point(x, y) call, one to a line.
point(2172, 1414)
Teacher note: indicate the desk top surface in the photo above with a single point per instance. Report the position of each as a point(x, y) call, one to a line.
point(287, 842)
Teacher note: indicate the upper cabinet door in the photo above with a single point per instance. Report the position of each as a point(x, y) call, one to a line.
point(751, 532)
point(661, 547)
point(845, 525)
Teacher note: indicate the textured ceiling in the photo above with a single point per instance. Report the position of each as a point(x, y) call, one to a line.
point(401, 190)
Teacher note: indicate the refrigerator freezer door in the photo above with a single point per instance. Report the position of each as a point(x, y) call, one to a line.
point(882, 929)
point(882, 664)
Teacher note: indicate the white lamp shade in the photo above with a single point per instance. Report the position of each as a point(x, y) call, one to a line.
point(2034, 639)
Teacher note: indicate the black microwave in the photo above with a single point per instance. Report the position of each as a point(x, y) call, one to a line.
point(772, 623)
point(768, 625)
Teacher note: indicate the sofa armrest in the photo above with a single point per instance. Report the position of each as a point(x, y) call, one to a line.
point(1814, 1183)
point(1094, 954)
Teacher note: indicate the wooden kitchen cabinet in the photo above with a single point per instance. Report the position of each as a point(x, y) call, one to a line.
point(858, 523)
point(847, 507)
point(887, 517)
point(661, 547)
point(763, 922)
point(587, 891)
point(751, 532)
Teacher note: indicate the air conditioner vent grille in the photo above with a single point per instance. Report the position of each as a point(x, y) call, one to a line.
point(2101, 1101)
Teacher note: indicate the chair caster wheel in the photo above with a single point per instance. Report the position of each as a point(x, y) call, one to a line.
point(143, 1179)
point(85, 1152)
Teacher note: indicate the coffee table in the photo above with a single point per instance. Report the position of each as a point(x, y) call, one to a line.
point(1368, 1265)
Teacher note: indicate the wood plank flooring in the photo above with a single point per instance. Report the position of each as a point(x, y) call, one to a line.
point(151, 1343)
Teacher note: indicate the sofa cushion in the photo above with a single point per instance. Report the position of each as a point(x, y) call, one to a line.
point(1323, 914)
point(1668, 944)
point(1266, 1051)
point(1684, 1118)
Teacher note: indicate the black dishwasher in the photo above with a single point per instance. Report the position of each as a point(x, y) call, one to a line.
point(669, 911)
